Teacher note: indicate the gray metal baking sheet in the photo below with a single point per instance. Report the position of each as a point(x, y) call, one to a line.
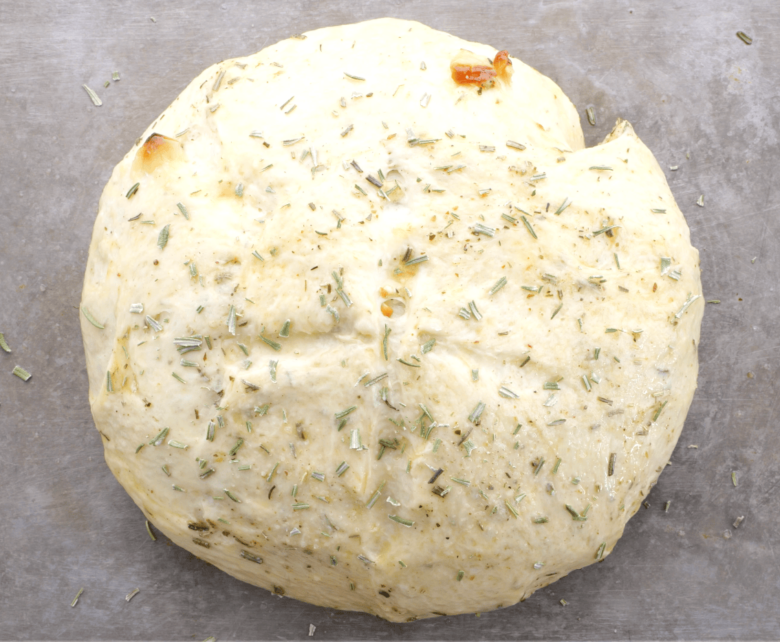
point(703, 100)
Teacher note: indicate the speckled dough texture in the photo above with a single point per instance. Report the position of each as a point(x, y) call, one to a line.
point(372, 339)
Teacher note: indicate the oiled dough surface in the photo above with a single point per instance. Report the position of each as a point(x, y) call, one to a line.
point(551, 286)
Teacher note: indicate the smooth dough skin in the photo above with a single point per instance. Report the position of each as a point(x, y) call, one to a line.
point(380, 341)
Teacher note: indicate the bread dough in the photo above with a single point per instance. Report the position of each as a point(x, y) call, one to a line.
point(495, 432)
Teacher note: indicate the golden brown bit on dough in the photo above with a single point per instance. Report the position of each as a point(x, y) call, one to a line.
point(386, 310)
point(465, 72)
point(156, 151)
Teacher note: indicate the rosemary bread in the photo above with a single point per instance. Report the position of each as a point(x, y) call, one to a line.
point(366, 325)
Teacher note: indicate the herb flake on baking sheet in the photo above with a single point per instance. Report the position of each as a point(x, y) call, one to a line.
point(734, 478)
point(591, 116)
point(3, 343)
point(22, 373)
point(744, 37)
point(91, 319)
point(93, 96)
point(162, 238)
point(563, 206)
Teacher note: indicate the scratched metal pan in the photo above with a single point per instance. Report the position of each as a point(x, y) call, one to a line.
point(700, 97)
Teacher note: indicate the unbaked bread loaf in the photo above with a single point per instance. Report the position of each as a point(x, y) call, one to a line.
point(366, 325)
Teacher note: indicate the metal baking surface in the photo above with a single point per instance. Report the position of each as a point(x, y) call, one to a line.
point(702, 99)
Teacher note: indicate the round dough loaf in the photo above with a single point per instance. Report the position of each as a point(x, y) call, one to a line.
point(376, 340)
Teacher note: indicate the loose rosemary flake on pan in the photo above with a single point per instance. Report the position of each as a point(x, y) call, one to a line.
point(91, 319)
point(734, 478)
point(150, 531)
point(591, 116)
point(744, 37)
point(22, 373)
point(81, 590)
point(132, 594)
point(3, 343)
point(93, 96)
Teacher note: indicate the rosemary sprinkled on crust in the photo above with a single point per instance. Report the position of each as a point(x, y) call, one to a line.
point(498, 285)
point(513, 144)
point(476, 414)
point(273, 344)
point(600, 551)
point(132, 191)
point(251, 557)
point(529, 227)
point(611, 464)
point(400, 520)
point(563, 206)
point(375, 380)
point(231, 496)
point(88, 315)
point(162, 238)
